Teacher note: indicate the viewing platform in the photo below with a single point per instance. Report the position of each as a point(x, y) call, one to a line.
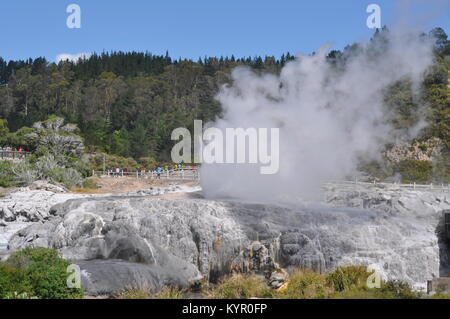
point(13, 155)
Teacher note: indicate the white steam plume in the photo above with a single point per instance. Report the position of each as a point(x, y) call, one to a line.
point(327, 117)
point(72, 57)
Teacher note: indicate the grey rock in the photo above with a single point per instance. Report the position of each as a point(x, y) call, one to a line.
point(43, 185)
point(277, 278)
point(400, 231)
point(104, 277)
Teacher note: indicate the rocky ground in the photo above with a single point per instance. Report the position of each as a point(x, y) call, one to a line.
point(137, 240)
point(25, 206)
point(111, 185)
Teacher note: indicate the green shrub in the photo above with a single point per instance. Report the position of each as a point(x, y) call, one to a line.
point(423, 147)
point(90, 184)
point(24, 173)
point(441, 168)
point(21, 138)
point(376, 169)
point(415, 171)
point(13, 282)
point(148, 162)
point(70, 178)
point(306, 284)
point(44, 272)
point(240, 287)
point(97, 161)
point(396, 289)
point(389, 290)
point(346, 278)
point(6, 174)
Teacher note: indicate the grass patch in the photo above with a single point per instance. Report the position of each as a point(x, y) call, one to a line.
point(441, 295)
point(89, 183)
point(347, 278)
point(165, 293)
point(240, 287)
point(134, 294)
point(306, 284)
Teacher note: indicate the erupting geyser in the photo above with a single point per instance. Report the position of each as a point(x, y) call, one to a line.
point(329, 112)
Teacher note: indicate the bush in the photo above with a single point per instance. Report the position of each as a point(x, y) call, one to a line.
point(380, 170)
point(48, 167)
point(423, 147)
point(24, 173)
point(305, 284)
point(415, 171)
point(13, 282)
point(396, 289)
point(6, 174)
point(71, 178)
point(90, 184)
point(346, 278)
point(148, 162)
point(42, 274)
point(240, 287)
point(97, 161)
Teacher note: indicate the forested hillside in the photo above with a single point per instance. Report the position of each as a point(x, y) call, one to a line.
point(127, 104)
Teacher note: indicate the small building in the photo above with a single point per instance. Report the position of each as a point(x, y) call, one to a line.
point(446, 214)
point(438, 285)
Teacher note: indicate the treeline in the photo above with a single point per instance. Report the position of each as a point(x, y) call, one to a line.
point(128, 103)
point(124, 103)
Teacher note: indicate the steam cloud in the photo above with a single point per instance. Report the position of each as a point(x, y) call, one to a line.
point(72, 57)
point(328, 116)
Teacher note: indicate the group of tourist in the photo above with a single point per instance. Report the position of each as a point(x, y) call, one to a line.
point(116, 172)
point(11, 149)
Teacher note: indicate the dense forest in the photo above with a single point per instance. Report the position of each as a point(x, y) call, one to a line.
point(127, 104)
point(124, 103)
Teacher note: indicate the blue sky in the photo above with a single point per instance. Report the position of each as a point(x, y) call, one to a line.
point(194, 28)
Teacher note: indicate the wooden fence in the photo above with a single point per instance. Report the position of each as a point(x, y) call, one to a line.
point(193, 174)
point(412, 186)
point(13, 155)
point(188, 174)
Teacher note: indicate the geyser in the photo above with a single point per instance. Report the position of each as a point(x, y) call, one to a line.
point(329, 114)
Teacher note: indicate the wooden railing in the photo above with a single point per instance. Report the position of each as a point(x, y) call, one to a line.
point(13, 155)
point(190, 174)
point(412, 186)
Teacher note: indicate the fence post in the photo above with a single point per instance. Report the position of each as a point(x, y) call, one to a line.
point(167, 174)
